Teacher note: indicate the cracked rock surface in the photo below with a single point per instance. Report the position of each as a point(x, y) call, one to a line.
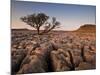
point(54, 53)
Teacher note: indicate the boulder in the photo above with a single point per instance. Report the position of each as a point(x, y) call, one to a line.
point(34, 66)
point(60, 60)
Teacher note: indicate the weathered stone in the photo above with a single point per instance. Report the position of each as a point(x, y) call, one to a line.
point(60, 60)
point(85, 66)
point(90, 56)
point(34, 66)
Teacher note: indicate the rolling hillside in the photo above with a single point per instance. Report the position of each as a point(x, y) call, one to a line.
point(87, 28)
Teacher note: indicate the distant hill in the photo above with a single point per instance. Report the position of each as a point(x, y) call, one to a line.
point(87, 28)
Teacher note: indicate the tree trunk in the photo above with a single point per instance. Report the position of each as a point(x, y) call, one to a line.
point(38, 31)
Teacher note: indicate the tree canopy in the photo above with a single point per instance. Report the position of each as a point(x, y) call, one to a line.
point(41, 20)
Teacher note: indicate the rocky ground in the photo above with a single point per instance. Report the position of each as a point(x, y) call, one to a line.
point(59, 51)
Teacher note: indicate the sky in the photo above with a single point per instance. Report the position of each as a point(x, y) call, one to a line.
point(70, 16)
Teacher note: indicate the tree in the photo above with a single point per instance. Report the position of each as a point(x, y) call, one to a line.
point(39, 21)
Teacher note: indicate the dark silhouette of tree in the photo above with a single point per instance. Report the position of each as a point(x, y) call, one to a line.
point(39, 21)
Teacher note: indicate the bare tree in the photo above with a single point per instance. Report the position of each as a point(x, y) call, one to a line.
point(39, 21)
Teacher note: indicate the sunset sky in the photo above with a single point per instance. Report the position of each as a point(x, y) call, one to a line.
point(70, 16)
